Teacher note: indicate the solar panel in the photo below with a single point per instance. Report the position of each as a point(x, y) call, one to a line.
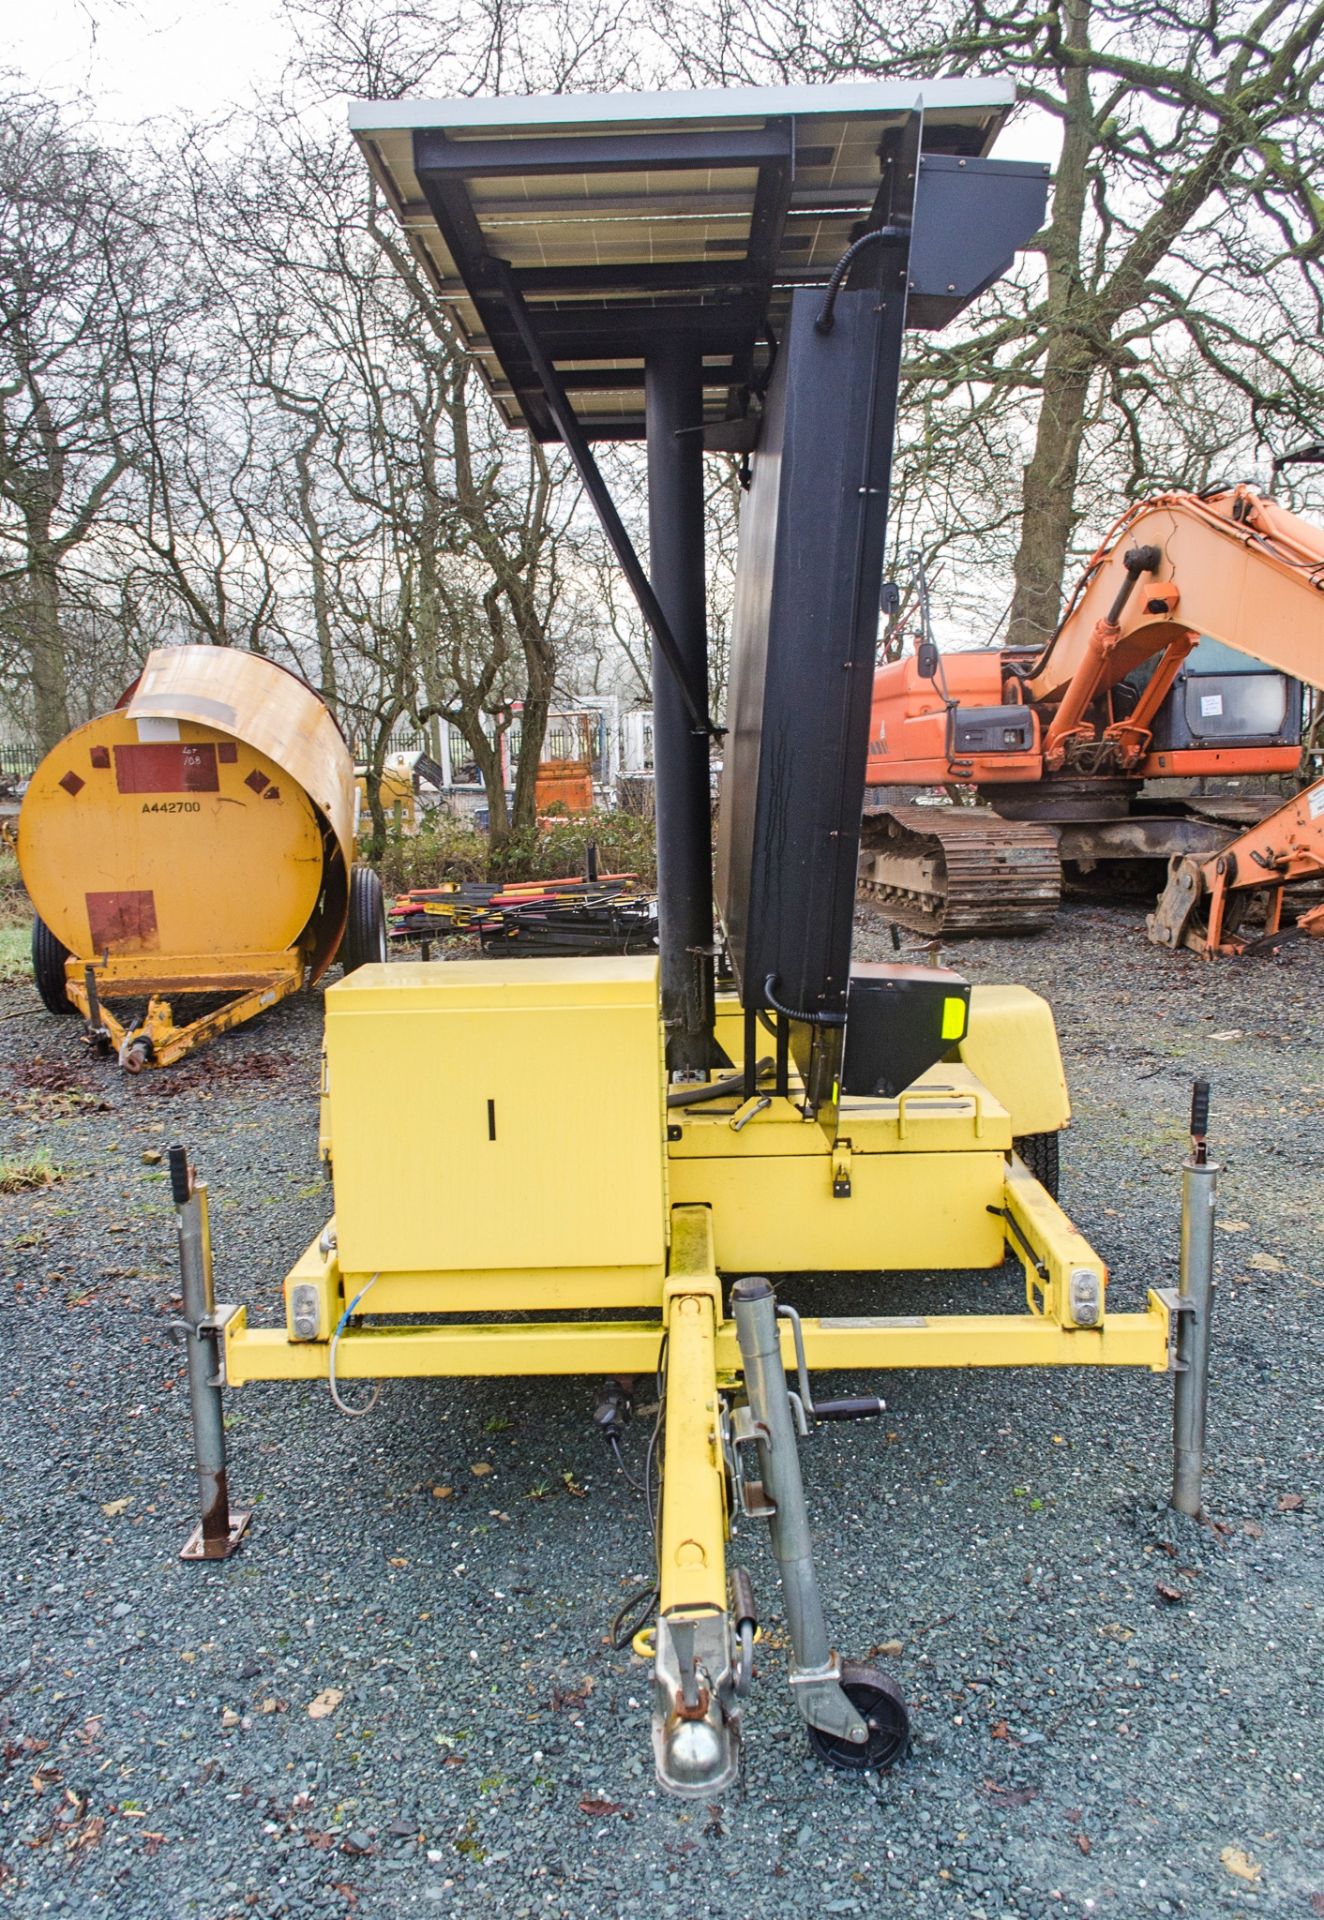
point(624, 218)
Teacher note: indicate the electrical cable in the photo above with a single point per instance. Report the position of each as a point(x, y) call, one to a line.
point(657, 1452)
point(799, 1013)
point(827, 317)
point(631, 1616)
point(351, 1413)
point(639, 1604)
point(615, 1446)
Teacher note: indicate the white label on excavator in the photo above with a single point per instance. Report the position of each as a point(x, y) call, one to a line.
point(1211, 705)
point(1315, 801)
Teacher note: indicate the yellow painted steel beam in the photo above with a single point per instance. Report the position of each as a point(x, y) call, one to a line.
point(844, 1344)
point(692, 1267)
point(171, 1043)
point(692, 1554)
point(455, 1351)
point(122, 974)
point(975, 1340)
point(1051, 1236)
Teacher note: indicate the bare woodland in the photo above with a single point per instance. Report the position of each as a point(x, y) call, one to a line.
point(225, 416)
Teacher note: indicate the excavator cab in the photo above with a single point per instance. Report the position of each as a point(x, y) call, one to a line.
point(1222, 698)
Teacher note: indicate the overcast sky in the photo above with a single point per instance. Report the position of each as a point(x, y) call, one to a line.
point(136, 59)
point(141, 58)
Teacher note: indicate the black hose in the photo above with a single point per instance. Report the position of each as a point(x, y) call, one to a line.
point(827, 314)
point(633, 1615)
point(798, 1013)
point(1309, 456)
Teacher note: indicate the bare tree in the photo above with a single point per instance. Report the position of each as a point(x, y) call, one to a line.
point(80, 277)
point(1183, 249)
point(363, 471)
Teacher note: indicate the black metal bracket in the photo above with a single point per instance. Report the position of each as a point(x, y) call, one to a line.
point(1004, 1213)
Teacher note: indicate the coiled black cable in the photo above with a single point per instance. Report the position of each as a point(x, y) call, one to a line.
point(827, 313)
point(819, 1019)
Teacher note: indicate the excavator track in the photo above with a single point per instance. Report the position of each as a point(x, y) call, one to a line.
point(959, 870)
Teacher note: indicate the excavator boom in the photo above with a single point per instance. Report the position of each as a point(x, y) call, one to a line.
point(1058, 742)
point(1232, 566)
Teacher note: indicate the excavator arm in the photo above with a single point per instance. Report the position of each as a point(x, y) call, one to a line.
point(1231, 565)
point(1246, 572)
point(1204, 903)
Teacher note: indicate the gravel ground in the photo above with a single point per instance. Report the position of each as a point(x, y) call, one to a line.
point(449, 1565)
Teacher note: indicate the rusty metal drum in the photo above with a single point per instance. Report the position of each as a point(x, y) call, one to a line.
point(197, 837)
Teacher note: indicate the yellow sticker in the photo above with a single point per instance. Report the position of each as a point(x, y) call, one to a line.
point(953, 1019)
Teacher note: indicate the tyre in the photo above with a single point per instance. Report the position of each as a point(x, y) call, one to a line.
point(48, 958)
point(1040, 1154)
point(365, 929)
point(877, 1699)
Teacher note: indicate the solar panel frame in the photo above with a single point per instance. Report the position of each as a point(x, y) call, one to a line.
point(624, 216)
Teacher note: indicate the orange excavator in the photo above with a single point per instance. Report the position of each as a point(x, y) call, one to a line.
point(1181, 656)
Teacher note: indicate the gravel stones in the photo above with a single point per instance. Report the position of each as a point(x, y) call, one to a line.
point(1083, 1746)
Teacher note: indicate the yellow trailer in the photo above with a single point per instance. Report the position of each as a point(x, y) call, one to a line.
point(195, 843)
point(599, 1166)
point(519, 1190)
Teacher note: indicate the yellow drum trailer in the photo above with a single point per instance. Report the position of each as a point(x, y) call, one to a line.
point(195, 841)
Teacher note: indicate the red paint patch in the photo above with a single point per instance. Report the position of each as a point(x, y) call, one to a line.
point(71, 782)
point(167, 766)
point(100, 756)
point(125, 922)
point(227, 752)
point(257, 781)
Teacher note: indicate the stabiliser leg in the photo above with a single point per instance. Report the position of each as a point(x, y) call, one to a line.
point(220, 1530)
point(696, 1719)
point(856, 1717)
point(1195, 1303)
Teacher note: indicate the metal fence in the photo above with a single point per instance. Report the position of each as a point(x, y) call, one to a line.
point(18, 760)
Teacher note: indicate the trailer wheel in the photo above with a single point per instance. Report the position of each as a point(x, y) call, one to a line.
point(365, 929)
point(48, 958)
point(878, 1701)
point(1040, 1154)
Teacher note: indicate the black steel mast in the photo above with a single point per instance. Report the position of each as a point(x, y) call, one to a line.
point(673, 411)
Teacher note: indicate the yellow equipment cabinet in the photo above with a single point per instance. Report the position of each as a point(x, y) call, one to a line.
point(196, 840)
point(399, 801)
point(466, 1125)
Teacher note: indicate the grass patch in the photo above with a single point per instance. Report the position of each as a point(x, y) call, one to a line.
point(15, 923)
point(32, 1175)
point(15, 955)
point(15, 908)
